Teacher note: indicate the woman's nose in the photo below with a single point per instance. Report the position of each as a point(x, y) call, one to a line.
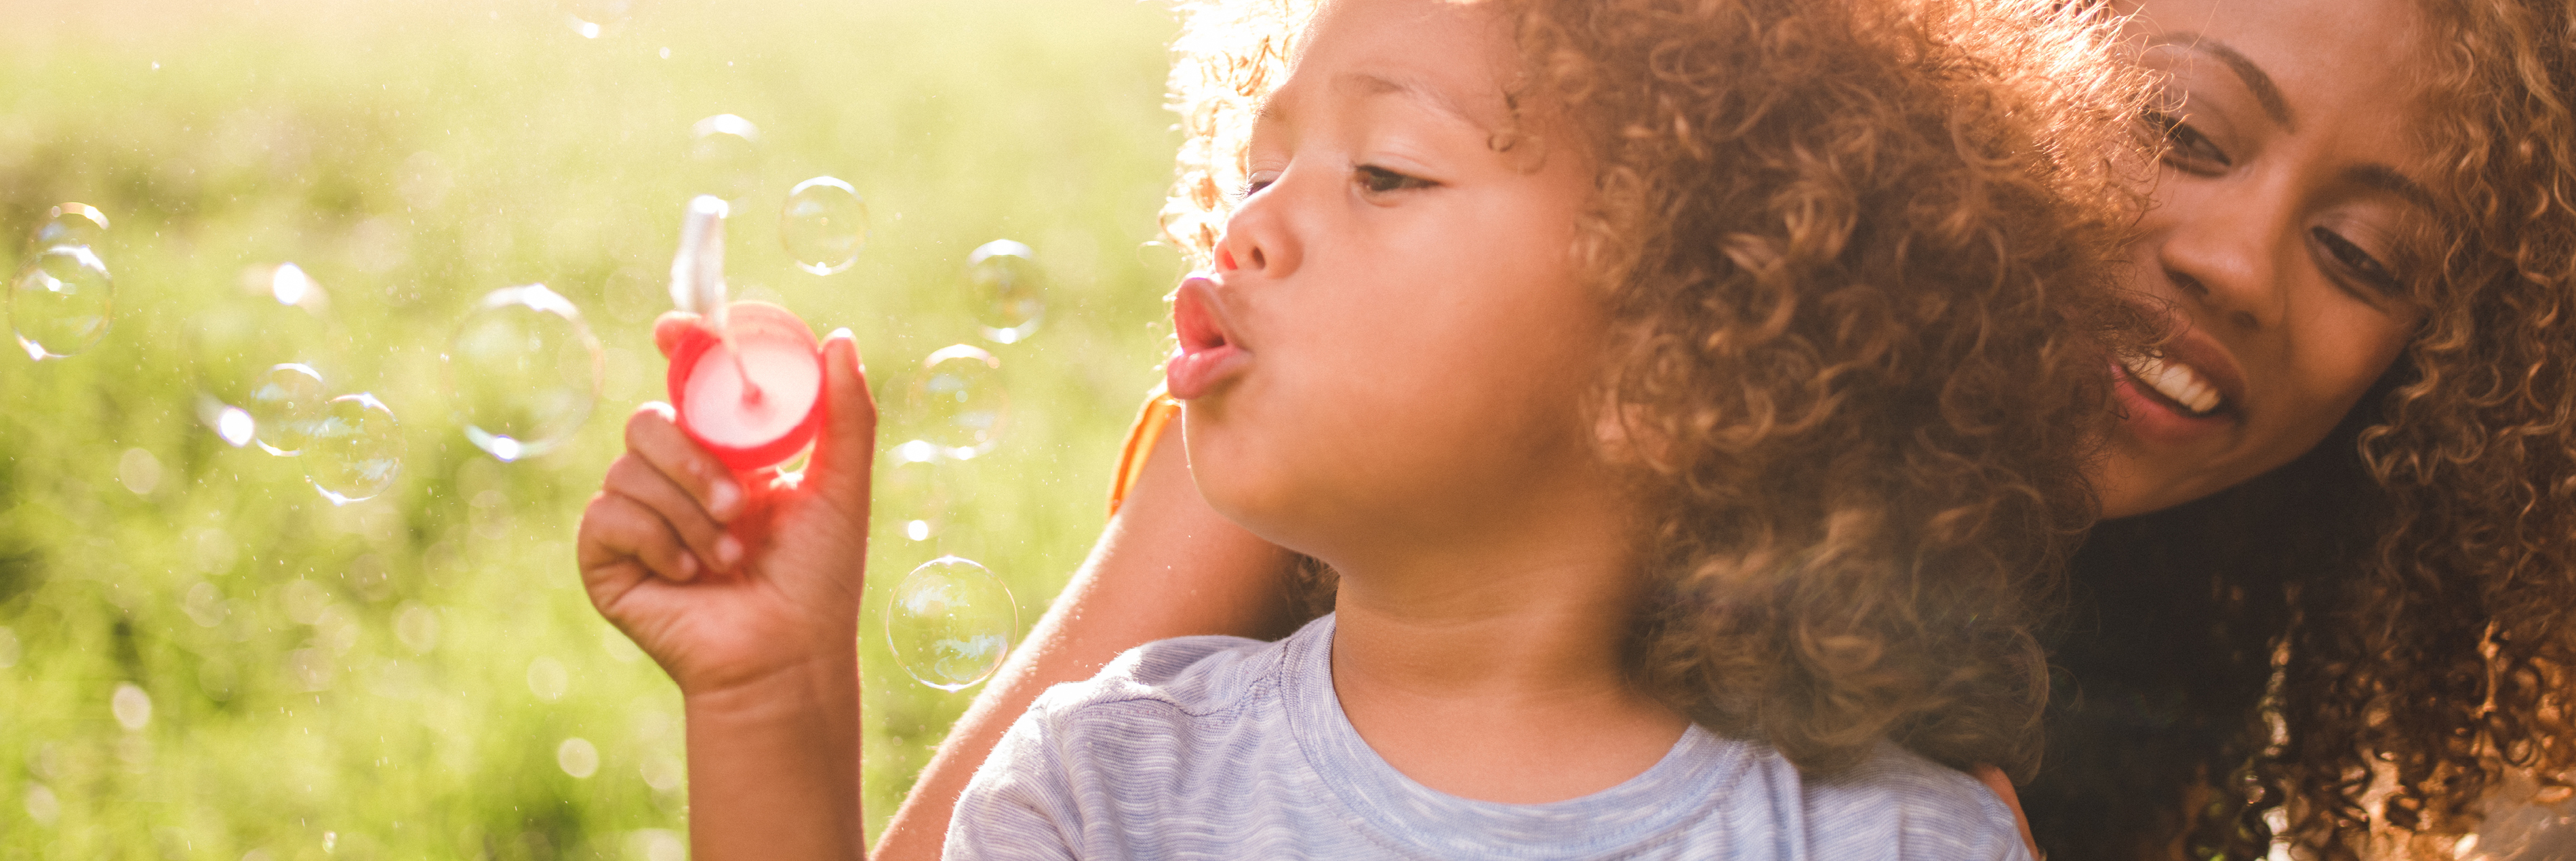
point(1261, 236)
point(2224, 249)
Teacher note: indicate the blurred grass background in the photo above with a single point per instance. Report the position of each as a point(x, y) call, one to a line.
point(406, 677)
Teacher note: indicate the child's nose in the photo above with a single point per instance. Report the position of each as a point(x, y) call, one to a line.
point(1259, 237)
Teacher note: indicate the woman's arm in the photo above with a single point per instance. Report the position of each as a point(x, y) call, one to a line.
point(1168, 566)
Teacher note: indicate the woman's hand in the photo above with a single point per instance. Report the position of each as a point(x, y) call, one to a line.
point(728, 578)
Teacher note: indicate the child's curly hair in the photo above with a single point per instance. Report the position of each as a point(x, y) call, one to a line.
point(1855, 256)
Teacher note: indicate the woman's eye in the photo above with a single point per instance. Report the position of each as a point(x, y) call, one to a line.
point(1378, 180)
point(2357, 262)
point(2186, 147)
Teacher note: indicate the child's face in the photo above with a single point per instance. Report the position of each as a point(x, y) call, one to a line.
point(1397, 341)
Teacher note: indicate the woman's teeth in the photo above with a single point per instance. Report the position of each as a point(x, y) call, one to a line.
point(2176, 381)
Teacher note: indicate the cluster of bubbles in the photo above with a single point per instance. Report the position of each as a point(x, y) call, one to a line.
point(350, 444)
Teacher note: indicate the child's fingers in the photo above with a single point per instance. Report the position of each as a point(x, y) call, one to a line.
point(668, 328)
point(617, 527)
point(846, 450)
point(651, 433)
point(636, 479)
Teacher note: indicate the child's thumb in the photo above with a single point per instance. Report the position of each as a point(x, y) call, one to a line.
point(845, 451)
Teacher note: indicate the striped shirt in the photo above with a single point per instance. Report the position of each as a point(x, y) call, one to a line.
point(1222, 747)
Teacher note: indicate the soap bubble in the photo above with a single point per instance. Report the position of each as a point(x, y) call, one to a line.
point(958, 405)
point(577, 757)
point(1007, 289)
point(725, 150)
point(950, 623)
point(912, 493)
point(356, 449)
point(596, 18)
point(58, 304)
point(285, 406)
point(132, 707)
point(522, 372)
point(72, 224)
point(824, 225)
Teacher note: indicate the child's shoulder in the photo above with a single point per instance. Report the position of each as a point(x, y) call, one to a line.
point(1193, 676)
point(1932, 810)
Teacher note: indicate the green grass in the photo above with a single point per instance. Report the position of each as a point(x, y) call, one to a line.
point(413, 157)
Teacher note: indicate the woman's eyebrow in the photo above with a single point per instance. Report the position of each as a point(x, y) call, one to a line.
point(2381, 177)
point(2265, 92)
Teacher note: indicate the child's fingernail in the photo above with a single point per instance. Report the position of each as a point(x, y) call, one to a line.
point(721, 500)
point(688, 566)
point(728, 551)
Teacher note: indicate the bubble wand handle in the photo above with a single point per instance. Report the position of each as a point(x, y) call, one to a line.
point(697, 275)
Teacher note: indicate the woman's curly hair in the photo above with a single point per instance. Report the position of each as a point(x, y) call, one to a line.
point(1855, 255)
point(2365, 645)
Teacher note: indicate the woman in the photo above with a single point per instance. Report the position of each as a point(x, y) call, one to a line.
point(2336, 581)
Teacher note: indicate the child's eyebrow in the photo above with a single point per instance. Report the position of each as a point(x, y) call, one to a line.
point(1273, 110)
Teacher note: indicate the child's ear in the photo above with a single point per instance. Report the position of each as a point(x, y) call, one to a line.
point(1621, 431)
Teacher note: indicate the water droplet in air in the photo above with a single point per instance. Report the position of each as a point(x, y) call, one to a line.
point(958, 405)
point(950, 623)
point(824, 225)
point(285, 405)
point(59, 303)
point(724, 151)
point(356, 449)
point(522, 372)
point(72, 224)
point(1007, 289)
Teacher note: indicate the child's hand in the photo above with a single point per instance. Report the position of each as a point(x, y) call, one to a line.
point(728, 579)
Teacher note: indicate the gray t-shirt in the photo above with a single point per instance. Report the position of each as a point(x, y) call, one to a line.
point(1222, 747)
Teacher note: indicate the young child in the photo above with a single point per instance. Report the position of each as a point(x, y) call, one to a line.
point(1688, 396)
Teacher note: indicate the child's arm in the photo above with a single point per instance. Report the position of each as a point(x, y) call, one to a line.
point(1167, 566)
point(746, 590)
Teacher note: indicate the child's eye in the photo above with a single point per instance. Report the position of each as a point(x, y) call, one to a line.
point(1378, 180)
point(1253, 184)
point(2186, 147)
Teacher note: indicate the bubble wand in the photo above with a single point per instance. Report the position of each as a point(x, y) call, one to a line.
point(697, 277)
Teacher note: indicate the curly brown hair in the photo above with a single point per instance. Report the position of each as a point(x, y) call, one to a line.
point(2388, 625)
point(1855, 257)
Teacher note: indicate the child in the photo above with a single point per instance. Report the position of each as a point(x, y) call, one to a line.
point(1689, 397)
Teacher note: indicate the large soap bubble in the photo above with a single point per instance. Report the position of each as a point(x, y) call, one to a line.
point(60, 302)
point(522, 372)
point(950, 623)
point(958, 405)
point(72, 224)
point(285, 404)
point(823, 225)
point(1008, 290)
point(724, 155)
point(356, 449)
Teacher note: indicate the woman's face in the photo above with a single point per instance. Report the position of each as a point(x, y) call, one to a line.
point(2276, 242)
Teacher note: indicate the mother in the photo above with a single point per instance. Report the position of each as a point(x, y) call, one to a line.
point(2339, 573)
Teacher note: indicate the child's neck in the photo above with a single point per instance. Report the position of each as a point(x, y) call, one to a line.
point(1493, 669)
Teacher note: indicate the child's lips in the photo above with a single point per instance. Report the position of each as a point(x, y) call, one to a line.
point(1207, 354)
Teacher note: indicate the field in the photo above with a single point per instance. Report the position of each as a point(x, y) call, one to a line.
point(200, 657)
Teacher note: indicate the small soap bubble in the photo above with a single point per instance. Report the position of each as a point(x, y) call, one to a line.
point(577, 757)
point(290, 286)
point(950, 623)
point(1008, 290)
point(595, 18)
point(724, 151)
point(913, 493)
point(523, 372)
point(72, 224)
point(356, 449)
point(285, 408)
point(132, 707)
point(824, 225)
point(59, 303)
point(139, 471)
point(958, 405)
